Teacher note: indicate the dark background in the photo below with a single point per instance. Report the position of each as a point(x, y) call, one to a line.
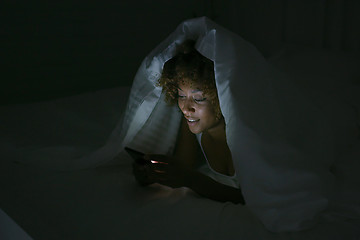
point(52, 49)
point(58, 48)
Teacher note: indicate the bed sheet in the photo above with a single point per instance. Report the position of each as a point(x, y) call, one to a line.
point(105, 202)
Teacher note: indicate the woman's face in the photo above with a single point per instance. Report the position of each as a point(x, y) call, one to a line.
point(197, 108)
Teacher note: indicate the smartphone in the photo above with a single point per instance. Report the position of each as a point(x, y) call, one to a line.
point(136, 155)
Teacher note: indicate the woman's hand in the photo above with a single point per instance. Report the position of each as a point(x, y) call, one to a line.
point(169, 171)
point(174, 173)
point(141, 174)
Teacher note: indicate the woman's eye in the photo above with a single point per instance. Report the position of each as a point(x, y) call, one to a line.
point(199, 99)
point(181, 96)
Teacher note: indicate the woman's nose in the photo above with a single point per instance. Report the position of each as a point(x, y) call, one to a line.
point(187, 107)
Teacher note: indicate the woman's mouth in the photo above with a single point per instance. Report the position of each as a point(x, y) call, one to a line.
point(192, 122)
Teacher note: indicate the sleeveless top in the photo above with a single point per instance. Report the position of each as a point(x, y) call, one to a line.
point(209, 171)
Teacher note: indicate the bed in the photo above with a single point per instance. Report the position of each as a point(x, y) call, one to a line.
point(106, 203)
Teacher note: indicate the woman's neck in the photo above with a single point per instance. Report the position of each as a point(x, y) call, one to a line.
point(217, 132)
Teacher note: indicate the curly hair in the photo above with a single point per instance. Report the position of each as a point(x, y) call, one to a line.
point(188, 66)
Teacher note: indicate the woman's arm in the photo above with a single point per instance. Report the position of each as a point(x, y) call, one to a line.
point(173, 173)
point(209, 188)
point(179, 171)
point(188, 148)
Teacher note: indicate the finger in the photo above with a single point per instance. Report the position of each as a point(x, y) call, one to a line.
point(157, 177)
point(161, 179)
point(158, 167)
point(152, 170)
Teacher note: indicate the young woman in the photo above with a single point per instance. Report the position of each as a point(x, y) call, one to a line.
point(188, 81)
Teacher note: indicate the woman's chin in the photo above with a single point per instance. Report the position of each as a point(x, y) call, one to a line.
point(194, 126)
point(194, 130)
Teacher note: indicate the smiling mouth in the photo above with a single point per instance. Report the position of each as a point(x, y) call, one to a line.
point(192, 120)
